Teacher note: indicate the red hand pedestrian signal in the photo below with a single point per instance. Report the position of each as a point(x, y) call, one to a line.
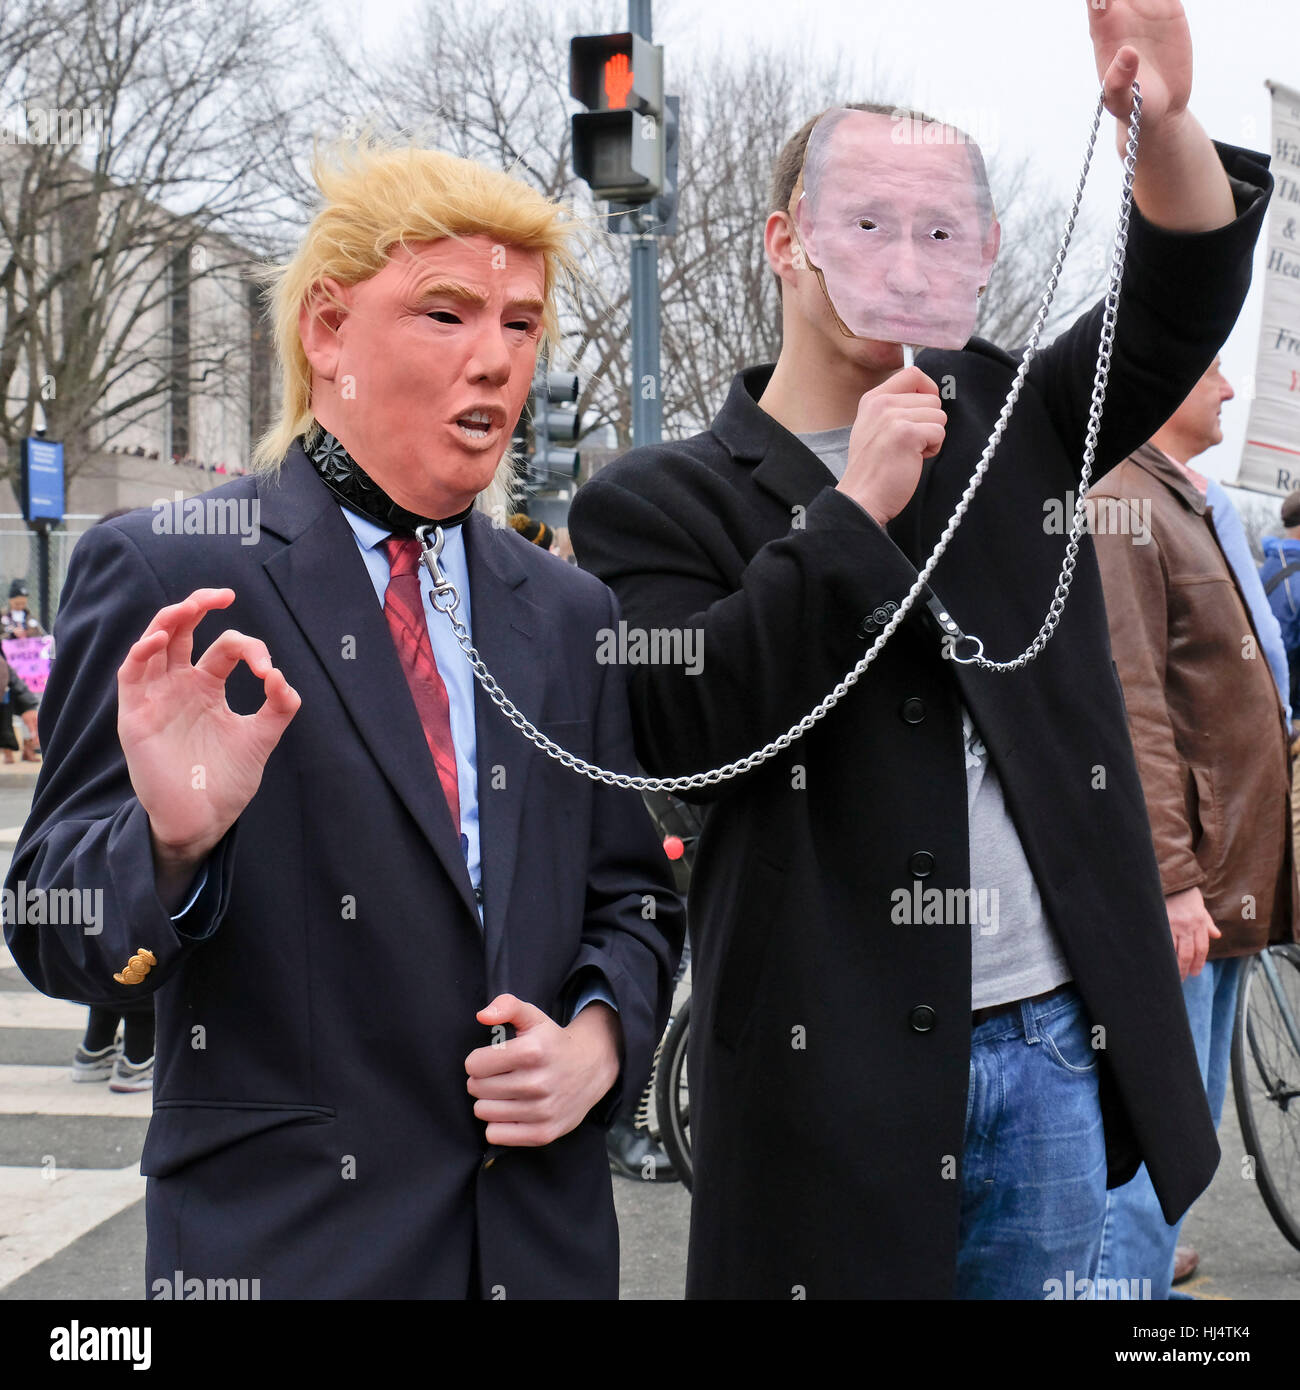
point(618, 81)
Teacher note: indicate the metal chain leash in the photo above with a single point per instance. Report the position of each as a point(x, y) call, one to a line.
point(446, 599)
point(1101, 378)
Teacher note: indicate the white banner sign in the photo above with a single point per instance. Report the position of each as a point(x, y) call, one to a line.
point(1270, 459)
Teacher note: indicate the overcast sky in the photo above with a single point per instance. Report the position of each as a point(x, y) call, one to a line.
point(1020, 75)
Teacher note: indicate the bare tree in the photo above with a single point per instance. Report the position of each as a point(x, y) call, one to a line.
point(1032, 223)
point(137, 173)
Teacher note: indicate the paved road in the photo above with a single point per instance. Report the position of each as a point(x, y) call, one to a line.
point(71, 1196)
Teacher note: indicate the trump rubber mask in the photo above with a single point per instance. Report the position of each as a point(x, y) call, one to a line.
point(895, 216)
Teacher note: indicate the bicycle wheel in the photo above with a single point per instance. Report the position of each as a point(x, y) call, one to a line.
point(672, 1099)
point(1266, 1079)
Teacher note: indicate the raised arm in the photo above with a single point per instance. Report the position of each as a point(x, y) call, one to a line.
point(1198, 209)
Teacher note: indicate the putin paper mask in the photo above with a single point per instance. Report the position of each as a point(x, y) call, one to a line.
point(896, 218)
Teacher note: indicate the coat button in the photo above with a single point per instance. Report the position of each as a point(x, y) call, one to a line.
point(921, 1018)
point(872, 624)
point(913, 710)
point(921, 863)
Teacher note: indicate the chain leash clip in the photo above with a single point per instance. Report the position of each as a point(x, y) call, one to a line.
point(444, 597)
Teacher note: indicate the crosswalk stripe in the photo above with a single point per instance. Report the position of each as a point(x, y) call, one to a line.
point(18, 1010)
point(42, 1211)
point(34, 1090)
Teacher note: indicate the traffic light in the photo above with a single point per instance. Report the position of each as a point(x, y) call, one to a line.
point(660, 215)
point(557, 421)
point(618, 142)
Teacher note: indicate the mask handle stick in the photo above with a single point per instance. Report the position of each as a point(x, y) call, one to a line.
point(909, 355)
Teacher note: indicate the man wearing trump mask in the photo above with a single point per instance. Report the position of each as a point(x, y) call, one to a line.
point(409, 966)
point(936, 1010)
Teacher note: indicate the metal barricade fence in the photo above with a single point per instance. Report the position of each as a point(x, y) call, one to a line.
point(20, 559)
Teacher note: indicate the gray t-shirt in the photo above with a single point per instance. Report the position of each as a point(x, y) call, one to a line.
point(1015, 953)
point(831, 446)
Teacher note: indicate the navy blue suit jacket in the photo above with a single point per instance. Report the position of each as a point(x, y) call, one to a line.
point(312, 1126)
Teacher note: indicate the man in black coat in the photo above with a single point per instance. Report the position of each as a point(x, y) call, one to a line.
point(875, 1112)
point(406, 966)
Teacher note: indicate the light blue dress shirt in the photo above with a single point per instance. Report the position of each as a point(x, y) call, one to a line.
point(452, 666)
point(1236, 549)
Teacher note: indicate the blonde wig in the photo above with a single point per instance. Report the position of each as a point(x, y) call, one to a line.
point(376, 196)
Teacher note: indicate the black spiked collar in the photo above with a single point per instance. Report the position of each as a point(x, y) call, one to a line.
point(352, 485)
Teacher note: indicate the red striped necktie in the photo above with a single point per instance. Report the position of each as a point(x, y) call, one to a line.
point(404, 609)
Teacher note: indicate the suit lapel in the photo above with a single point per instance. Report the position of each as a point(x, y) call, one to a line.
point(787, 469)
point(326, 588)
point(791, 473)
point(505, 625)
point(784, 468)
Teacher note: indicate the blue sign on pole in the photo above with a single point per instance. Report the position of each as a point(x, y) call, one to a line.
point(42, 480)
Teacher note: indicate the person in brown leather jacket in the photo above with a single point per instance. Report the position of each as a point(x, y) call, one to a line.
point(1211, 741)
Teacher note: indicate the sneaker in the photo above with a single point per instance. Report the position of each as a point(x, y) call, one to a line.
point(132, 1076)
point(94, 1066)
point(628, 1148)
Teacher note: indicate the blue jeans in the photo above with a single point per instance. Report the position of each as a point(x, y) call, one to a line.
point(1033, 1169)
point(1138, 1243)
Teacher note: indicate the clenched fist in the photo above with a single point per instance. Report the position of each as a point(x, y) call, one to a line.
point(537, 1086)
point(899, 425)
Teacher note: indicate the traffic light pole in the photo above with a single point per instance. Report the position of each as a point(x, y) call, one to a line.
point(43, 574)
point(646, 413)
point(646, 416)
